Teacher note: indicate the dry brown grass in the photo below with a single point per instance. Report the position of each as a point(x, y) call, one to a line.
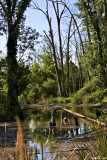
point(20, 145)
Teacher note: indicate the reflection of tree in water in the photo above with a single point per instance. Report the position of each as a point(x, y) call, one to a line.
point(39, 136)
point(66, 119)
point(41, 133)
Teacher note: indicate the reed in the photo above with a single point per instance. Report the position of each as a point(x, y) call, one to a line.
point(20, 145)
point(97, 149)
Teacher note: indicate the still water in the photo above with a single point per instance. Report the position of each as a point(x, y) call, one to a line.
point(42, 137)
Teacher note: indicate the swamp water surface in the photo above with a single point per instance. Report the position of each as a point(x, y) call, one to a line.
point(45, 140)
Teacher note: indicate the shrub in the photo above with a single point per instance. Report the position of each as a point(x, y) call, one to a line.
point(2, 99)
point(48, 88)
point(92, 92)
point(60, 100)
point(95, 97)
point(77, 98)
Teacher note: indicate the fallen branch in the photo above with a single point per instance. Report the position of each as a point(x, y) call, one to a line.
point(80, 116)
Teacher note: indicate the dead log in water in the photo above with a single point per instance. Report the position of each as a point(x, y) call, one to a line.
point(80, 116)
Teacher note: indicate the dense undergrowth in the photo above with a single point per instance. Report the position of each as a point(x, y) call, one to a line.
point(93, 92)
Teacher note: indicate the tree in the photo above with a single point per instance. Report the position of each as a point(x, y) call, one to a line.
point(12, 13)
point(105, 12)
point(59, 15)
point(23, 75)
point(60, 50)
point(52, 42)
point(91, 14)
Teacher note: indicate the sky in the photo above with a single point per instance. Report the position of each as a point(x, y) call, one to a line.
point(36, 20)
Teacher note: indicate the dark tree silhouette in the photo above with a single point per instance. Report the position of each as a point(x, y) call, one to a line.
point(12, 13)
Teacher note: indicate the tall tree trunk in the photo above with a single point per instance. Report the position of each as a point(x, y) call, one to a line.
point(57, 72)
point(55, 58)
point(67, 56)
point(105, 12)
point(72, 73)
point(58, 17)
point(51, 40)
point(95, 23)
point(61, 55)
point(13, 14)
point(79, 63)
point(12, 96)
point(96, 26)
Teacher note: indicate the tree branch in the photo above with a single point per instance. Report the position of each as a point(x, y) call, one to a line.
point(22, 8)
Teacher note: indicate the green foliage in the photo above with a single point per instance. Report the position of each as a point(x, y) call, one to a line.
point(38, 116)
point(77, 98)
point(59, 100)
point(94, 59)
point(33, 94)
point(4, 113)
point(105, 99)
point(3, 82)
point(3, 91)
point(3, 99)
point(102, 142)
point(40, 82)
point(23, 75)
point(92, 92)
point(48, 88)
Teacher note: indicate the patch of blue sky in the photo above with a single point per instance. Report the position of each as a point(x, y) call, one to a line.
point(37, 20)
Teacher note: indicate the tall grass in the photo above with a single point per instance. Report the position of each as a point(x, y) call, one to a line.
point(97, 149)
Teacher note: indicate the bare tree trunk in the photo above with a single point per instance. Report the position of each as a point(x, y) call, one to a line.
point(80, 67)
point(67, 57)
point(89, 40)
point(64, 3)
point(72, 73)
point(75, 75)
point(51, 40)
point(58, 17)
point(55, 59)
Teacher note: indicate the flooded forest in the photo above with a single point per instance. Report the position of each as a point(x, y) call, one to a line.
point(53, 79)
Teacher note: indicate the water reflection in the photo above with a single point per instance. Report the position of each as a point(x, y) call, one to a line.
point(41, 134)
